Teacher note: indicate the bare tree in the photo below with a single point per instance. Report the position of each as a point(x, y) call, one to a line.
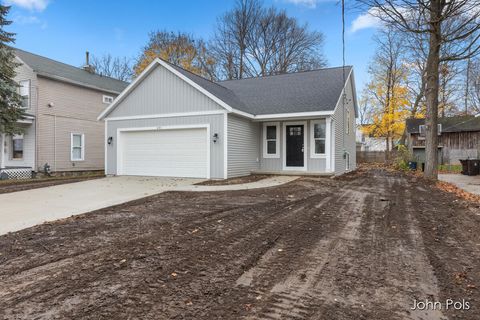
point(254, 41)
point(230, 41)
point(115, 67)
point(446, 23)
point(473, 83)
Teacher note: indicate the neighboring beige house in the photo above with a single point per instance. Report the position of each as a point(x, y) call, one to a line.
point(62, 103)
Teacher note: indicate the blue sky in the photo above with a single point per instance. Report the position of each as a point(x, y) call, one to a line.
point(64, 29)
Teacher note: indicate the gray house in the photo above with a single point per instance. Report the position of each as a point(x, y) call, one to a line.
point(170, 122)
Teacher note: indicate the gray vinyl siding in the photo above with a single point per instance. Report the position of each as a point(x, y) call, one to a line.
point(345, 142)
point(216, 126)
point(276, 164)
point(163, 92)
point(243, 146)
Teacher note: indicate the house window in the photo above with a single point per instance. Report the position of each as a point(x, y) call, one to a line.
point(78, 147)
point(17, 147)
point(270, 140)
point(24, 91)
point(107, 99)
point(319, 132)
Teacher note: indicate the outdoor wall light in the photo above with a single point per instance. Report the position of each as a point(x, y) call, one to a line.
point(215, 137)
point(110, 140)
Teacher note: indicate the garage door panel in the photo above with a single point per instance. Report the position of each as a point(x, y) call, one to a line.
point(177, 153)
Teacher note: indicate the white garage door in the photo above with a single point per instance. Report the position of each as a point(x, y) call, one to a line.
point(166, 153)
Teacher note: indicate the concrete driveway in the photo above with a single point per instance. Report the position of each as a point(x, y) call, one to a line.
point(468, 183)
point(19, 210)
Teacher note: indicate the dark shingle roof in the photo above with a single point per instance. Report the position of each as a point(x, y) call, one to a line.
point(449, 124)
point(315, 90)
point(51, 68)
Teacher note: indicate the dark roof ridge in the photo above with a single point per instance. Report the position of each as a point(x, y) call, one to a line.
point(287, 73)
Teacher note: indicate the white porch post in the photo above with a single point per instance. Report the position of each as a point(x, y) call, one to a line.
point(2, 151)
point(328, 139)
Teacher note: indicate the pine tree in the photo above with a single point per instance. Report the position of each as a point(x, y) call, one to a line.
point(10, 100)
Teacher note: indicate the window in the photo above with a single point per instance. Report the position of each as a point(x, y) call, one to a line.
point(319, 133)
point(271, 141)
point(107, 99)
point(78, 147)
point(422, 130)
point(24, 92)
point(17, 147)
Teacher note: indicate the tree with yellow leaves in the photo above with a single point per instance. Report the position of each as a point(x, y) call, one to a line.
point(388, 90)
point(179, 49)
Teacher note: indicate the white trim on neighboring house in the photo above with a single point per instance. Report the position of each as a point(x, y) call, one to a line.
point(284, 138)
point(168, 115)
point(159, 128)
point(265, 141)
point(225, 145)
point(82, 135)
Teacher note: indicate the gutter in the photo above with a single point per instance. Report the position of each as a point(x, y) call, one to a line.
point(81, 84)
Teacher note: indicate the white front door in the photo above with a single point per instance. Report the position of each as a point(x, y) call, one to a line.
point(166, 153)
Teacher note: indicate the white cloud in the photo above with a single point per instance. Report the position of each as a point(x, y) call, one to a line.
point(365, 21)
point(38, 5)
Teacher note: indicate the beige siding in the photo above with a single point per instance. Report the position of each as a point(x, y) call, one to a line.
point(75, 110)
point(163, 92)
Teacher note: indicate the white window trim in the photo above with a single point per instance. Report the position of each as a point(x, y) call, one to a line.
point(11, 147)
point(107, 97)
point(314, 155)
point(277, 140)
point(83, 146)
point(29, 91)
point(284, 144)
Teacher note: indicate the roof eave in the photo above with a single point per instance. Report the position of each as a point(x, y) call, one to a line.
point(80, 84)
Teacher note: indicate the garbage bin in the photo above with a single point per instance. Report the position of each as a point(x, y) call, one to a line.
point(412, 165)
point(470, 167)
point(474, 167)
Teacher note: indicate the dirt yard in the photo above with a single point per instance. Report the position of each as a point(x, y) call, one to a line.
point(364, 246)
point(7, 186)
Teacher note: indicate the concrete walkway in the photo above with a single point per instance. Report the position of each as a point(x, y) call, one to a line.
point(264, 183)
point(23, 209)
point(468, 183)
